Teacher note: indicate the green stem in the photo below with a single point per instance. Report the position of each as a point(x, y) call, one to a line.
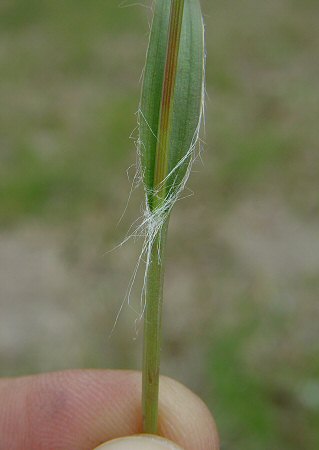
point(155, 269)
point(152, 332)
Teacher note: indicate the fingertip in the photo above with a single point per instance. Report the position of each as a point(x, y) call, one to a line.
point(184, 417)
point(141, 442)
point(80, 409)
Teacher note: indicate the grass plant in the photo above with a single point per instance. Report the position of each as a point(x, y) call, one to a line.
point(68, 79)
point(169, 121)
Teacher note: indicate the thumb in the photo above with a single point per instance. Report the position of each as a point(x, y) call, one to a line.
point(141, 442)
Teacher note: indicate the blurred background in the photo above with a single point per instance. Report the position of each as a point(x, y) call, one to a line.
point(242, 287)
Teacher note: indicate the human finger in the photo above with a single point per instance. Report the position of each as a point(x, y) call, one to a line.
point(78, 410)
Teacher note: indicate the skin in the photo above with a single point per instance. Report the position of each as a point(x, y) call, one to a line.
point(80, 409)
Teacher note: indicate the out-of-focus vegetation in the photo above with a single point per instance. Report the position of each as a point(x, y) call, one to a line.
point(241, 318)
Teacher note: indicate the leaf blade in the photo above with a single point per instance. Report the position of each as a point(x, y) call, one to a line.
point(186, 102)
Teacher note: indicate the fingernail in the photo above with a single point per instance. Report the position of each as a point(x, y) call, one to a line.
point(142, 442)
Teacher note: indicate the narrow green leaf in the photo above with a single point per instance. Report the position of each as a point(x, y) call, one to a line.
point(166, 143)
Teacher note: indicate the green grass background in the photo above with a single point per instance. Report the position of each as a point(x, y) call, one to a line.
point(69, 87)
